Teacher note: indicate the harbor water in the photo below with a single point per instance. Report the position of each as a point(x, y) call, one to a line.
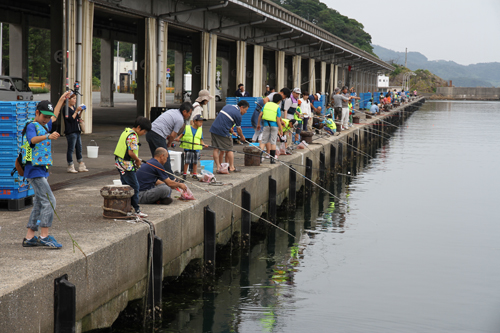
point(408, 243)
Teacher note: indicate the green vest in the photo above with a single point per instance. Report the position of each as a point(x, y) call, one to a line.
point(330, 124)
point(287, 125)
point(270, 111)
point(121, 146)
point(296, 117)
point(188, 137)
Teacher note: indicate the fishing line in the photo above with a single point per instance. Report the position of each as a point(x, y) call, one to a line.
point(232, 203)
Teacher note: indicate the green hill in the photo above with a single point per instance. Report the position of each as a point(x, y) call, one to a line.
point(476, 75)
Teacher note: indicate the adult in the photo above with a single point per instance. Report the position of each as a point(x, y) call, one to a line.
point(155, 186)
point(345, 108)
point(73, 132)
point(285, 94)
point(268, 91)
point(305, 107)
point(374, 108)
point(241, 91)
point(203, 98)
point(165, 128)
point(337, 104)
point(312, 99)
point(229, 116)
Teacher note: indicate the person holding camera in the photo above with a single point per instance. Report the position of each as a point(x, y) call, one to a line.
point(72, 131)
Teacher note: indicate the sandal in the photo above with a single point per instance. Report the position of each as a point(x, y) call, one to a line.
point(235, 170)
point(195, 177)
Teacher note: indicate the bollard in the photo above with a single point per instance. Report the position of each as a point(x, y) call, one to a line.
point(309, 165)
point(322, 166)
point(272, 209)
point(64, 305)
point(246, 218)
point(333, 155)
point(292, 191)
point(209, 232)
point(156, 277)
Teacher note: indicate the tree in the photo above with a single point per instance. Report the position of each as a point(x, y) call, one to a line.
point(39, 54)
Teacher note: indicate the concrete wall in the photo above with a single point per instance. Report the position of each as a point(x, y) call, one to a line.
point(469, 93)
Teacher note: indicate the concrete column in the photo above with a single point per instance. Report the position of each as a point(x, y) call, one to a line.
point(178, 75)
point(297, 72)
point(224, 76)
point(258, 54)
point(209, 64)
point(280, 70)
point(162, 48)
point(336, 76)
point(18, 49)
point(232, 72)
point(196, 63)
point(249, 75)
point(312, 76)
point(333, 84)
point(150, 69)
point(241, 60)
point(140, 74)
point(323, 77)
point(107, 56)
point(86, 84)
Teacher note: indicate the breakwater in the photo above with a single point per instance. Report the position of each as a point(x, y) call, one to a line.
point(461, 93)
point(114, 271)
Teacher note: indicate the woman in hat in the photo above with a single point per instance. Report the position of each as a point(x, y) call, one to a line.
point(203, 98)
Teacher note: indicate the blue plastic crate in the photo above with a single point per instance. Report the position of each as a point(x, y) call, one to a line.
point(17, 193)
point(12, 182)
point(13, 104)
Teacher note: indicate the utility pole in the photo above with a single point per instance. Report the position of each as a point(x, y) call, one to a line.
point(406, 55)
point(1, 46)
point(117, 66)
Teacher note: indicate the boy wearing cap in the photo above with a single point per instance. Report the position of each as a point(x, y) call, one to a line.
point(37, 157)
point(192, 142)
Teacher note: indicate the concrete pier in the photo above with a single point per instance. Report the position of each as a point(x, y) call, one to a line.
point(113, 270)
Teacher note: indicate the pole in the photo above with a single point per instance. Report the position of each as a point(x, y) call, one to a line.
point(133, 62)
point(66, 38)
point(406, 55)
point(79, 37)
point(117, 66)
point(1, 47)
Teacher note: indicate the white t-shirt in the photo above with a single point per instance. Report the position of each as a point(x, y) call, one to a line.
point(305, 107)
point(197, 109)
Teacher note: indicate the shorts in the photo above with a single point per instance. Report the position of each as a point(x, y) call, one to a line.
point(191, 156)
point(270, 135)
point(257, 136)
point(223, 143)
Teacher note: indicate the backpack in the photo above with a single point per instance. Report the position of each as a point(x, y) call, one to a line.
point(19, 166)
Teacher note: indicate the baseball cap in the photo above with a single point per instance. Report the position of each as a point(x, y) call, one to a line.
point(45, 108)
point(297, 90)
point(198, 117)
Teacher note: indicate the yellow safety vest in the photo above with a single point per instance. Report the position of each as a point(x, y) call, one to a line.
point(331, 124)
point(287, 125)
point(296, 117)
point(270, 111)
point(121, 146)
point(188, 137)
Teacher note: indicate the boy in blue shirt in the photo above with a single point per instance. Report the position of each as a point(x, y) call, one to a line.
point(37, 157)
point(271, 116)
point(192, 142)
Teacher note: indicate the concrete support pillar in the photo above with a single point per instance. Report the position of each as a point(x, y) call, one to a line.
point(150, 70)
point(179, 75)
point(18, 49)
point(107, 56)
point(249, 75)
point(224, 76)
point(241, 60)
point(58, 57)
point(86, 84)
point(312, 76)
point(209, 64)
point(323, 77)
point(332, 84)
point(336, 76)
point(258, 54)
point(196, 63)
point(161, 59)
point(280, 70)
point(297, 72)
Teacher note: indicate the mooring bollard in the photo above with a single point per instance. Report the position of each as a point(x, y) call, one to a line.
point(246, 218)
point(209, 231)
point(333, 155)
point(156, 277)
point(292, 190)
point(272, 209)
point(309, 171)
point(322, 166)
point(64, 305)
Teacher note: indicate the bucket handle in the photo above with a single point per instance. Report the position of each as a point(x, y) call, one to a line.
point(94, 143)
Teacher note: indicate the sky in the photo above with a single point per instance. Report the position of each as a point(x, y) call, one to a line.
point(467, 32)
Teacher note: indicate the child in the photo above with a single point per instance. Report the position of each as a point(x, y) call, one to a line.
point(271, 114)
point(351, 112)
point(127, 158)
point(192, 142)
point(37, 157)
point(330, 127)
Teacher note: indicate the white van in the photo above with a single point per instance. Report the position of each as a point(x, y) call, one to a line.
point(14, 89)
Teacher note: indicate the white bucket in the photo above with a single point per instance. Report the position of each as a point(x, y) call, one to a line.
point(92, 151)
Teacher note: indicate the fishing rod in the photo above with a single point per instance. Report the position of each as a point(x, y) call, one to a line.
point(359, 150)
point(232, 203)
point(383, 137)
point(298, 173)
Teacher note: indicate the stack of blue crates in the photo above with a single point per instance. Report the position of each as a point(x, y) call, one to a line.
point(246, 123)
point(13, 117)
